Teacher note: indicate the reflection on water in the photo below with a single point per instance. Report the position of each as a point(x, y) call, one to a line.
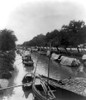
point(41, 62)
point(18, 93)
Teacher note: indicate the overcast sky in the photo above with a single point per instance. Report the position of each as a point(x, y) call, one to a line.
point(27, 18)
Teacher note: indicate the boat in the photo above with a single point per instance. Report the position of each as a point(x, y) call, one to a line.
point(42, 90)
point(28, 63)
point(27, 60)
point(53, 89)
point(42, 52)
point(65, 61)
point(27, 81)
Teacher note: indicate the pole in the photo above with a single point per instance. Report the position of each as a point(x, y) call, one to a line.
point(12, 86)
point(48, 67)
point(49, 62)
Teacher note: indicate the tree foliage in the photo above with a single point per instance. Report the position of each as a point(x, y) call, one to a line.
point(7, 40)
point(7, 54)
point(72, 35)
point(39, 40)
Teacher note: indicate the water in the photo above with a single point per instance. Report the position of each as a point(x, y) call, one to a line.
point(56, 71)
point(16, 93)
point(41, 63)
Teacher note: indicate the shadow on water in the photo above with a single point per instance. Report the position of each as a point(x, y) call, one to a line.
point(27, 92)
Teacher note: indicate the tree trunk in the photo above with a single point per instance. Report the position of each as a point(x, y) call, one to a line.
point(57, 49)
point(78, 49)
point(66, 50)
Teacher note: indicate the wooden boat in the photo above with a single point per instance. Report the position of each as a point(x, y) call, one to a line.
point(53, 89)
point(43, 90)
point(42, 52)
point(27, 80)
point(27, 61)
point(26, 57)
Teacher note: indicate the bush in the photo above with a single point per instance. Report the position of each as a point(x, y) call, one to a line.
point(6, 75)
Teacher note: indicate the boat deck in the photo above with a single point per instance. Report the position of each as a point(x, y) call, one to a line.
point(76, 85)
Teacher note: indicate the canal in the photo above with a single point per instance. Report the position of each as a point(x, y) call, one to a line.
point(41, 64)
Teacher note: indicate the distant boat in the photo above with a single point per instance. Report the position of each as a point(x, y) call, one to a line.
point(65, 61)
point(27, 61)
point(42, 52)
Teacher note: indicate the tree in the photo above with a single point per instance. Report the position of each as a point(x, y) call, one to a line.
point(7, 40)
point(73, 34)
point(38, 40)
point(77, 30)
point(50, 36)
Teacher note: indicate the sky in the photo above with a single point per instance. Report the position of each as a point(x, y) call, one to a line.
point(28, 18)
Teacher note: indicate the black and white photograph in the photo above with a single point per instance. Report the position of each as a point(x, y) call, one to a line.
point(42, 49)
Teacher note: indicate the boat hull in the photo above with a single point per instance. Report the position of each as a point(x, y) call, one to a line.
point(29, 63)
point(59, 92)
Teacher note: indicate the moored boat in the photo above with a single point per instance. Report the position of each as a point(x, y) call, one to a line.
point(27, 61)
point(43, 90)
point(27, 81)
point(53, 89)
point(42, 52)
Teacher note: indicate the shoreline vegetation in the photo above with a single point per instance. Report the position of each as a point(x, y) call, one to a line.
point(6, 64)
point(7, 56)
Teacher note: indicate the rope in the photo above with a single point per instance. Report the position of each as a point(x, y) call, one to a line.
point(12, 86)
